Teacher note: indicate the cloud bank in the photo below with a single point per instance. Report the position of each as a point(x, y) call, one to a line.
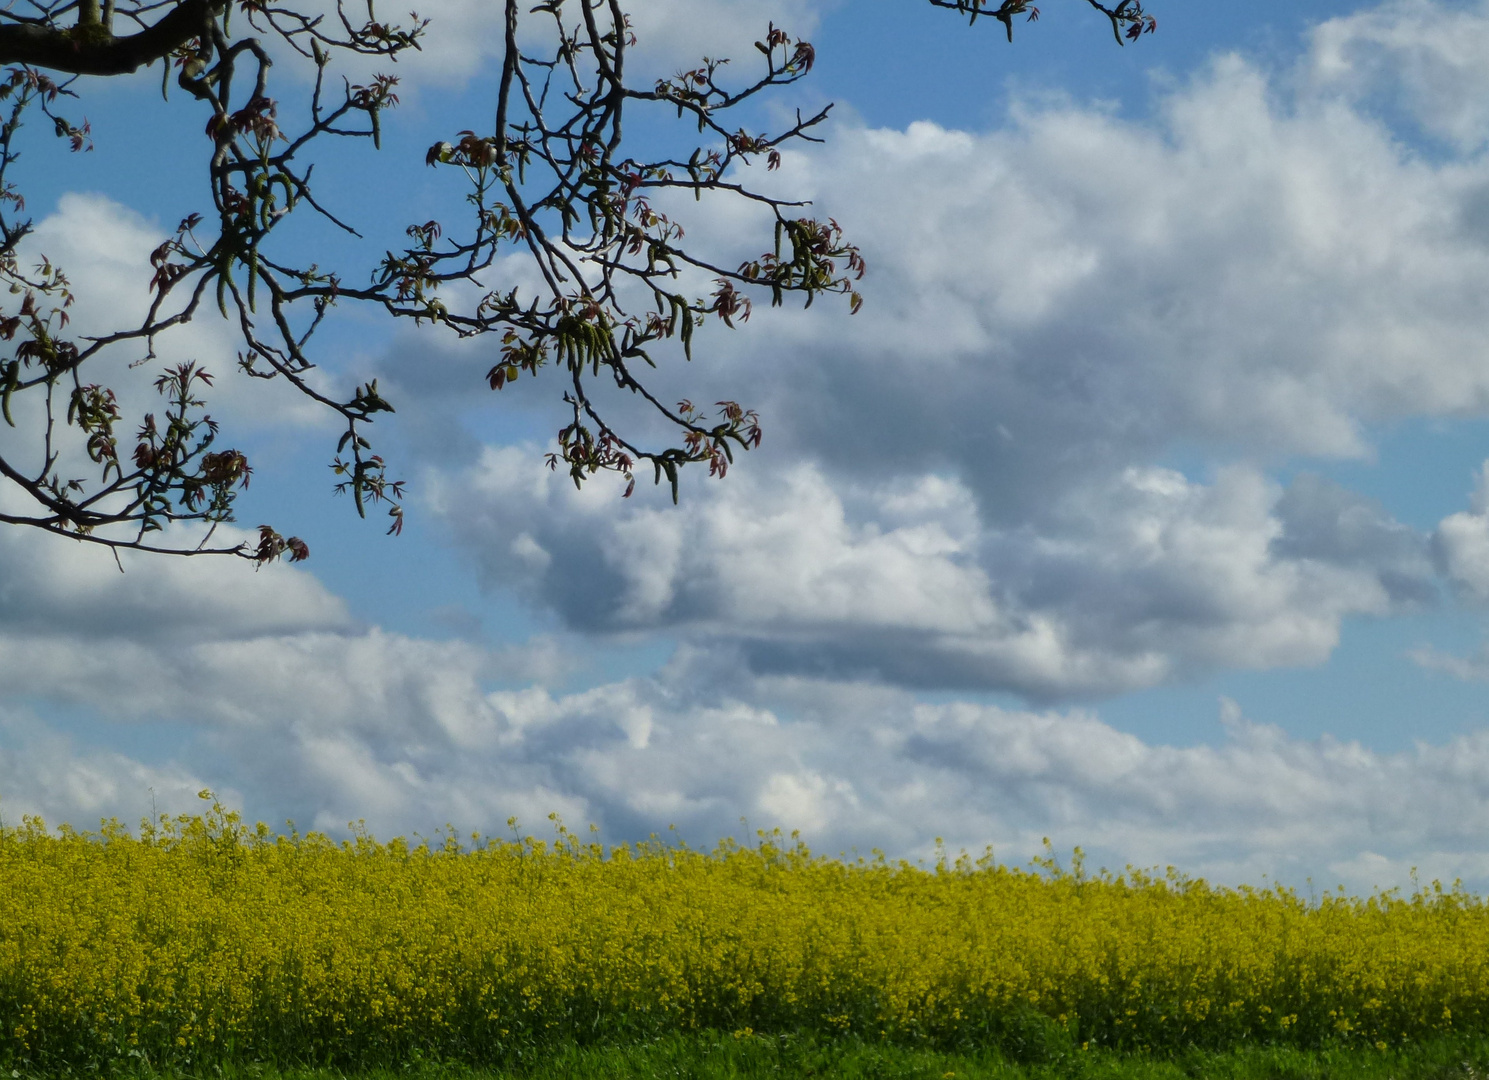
point(333, 727)
point(1044, 460)
point(973, 483)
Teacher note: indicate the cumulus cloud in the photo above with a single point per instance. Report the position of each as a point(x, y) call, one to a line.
point(465, 38)
point(260, 676)
point(1461, 543)
point(1324, 522)
point(78, 627)
point(54, 586)
point(104, 249)
point(1425, 56)
point(48, 775)
point(1474, 668)
point(404, 735)
point(1256, 275)
point(1140, 579)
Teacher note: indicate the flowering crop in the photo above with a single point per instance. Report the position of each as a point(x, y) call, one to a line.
point(204, 940)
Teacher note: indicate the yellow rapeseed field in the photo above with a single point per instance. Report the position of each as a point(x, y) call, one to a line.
point(201, 939)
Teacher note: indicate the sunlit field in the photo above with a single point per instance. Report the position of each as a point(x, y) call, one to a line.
point(199, 942)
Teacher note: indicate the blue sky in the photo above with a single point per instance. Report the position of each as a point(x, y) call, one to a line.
point(1141, 508)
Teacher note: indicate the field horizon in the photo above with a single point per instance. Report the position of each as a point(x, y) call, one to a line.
point(202, 944)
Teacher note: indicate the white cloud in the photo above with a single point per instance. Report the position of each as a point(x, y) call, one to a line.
point(400, 732)
point(1468, 668)
point(1125, 583)
point(675, 33)
point(1461, 543)
point(104, 249)
point(1254, 276)
point(50, 585)
point(48, 775)
point(1428, 56)
point(1257, 275)
point(465, 38)
point(1263, 269)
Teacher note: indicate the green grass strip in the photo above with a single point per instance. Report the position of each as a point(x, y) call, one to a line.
point(728, 1057)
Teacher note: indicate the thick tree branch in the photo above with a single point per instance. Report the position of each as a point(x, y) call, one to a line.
point(91, 49)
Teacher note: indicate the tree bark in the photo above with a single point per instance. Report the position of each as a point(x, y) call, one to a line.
point(91, 49)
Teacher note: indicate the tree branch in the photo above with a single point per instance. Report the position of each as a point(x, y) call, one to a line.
point(91, 49)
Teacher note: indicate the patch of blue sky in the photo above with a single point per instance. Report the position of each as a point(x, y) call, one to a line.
point(894, 63)
point(1370, 690)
